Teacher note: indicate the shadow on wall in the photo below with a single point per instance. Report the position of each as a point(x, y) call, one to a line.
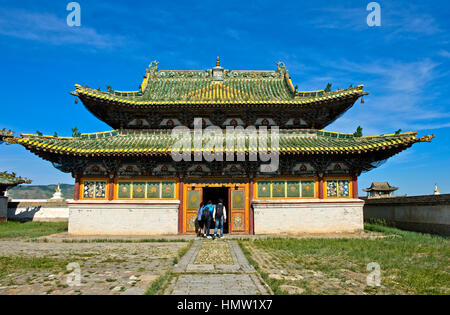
point(48, 211)
point(21, 214)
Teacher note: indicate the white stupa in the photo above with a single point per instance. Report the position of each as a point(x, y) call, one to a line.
point(436, 190)
point(57, 195)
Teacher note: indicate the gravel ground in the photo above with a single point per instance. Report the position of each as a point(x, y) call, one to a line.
point(105, 268)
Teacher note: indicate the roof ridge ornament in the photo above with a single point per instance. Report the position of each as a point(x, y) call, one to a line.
point(218, 62)
point(153, 66)
point(281, 66)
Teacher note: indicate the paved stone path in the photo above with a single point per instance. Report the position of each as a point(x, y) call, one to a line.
point(239, 278)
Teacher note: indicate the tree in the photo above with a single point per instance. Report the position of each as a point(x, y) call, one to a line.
point(358, 132)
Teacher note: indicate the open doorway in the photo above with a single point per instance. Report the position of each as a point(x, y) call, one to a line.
point(214, 194)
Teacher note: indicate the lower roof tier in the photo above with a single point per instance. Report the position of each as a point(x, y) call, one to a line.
point(139, 143)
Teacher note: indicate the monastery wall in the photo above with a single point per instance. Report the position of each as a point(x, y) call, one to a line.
point(124, 218)
point(428, 214)
point(38, 210)
point(308, 216)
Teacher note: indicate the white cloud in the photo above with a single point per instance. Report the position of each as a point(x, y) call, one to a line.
point(404, 95)
point(49, 28)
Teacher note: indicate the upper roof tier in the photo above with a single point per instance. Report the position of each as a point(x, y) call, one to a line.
point(217, 90)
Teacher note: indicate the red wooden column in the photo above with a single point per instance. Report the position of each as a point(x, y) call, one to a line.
point(111, 188)
point(251, 219)
point(355, 187)
point(76, 194)
point(320, 187)
point(180, 208)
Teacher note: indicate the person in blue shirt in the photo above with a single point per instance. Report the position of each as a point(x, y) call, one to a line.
point(206, 217)
point(198, 221)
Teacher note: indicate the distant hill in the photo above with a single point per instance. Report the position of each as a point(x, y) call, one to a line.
point(40, 191)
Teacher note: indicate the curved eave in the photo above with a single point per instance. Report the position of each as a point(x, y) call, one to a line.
point(62, 147)
point(99, 97)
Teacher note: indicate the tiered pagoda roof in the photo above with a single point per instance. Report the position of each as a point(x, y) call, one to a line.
point(216, 94)
point(177, 91)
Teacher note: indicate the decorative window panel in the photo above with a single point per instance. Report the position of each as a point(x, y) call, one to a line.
point(100, 190)
point(139, 190)
point(287, 189)
point(308, 189)
point(264, 189)
point(279, 189)
point(153, 190)
point(343, 188)
point(88, 190)
point(237, 199)
point(94, 189)
point(168, 190)
point(124, 190)
point(332, 189)
point(293, 189)
point(338, 188)
point(146, 190)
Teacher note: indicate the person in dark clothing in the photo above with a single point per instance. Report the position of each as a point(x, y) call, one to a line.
point(220, 216)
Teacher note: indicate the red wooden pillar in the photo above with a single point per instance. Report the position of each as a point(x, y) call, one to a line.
point(251, 219)
point(111, 189)
point(355, 187)
point(320, 187)
point(76, 194)
point(180, 208)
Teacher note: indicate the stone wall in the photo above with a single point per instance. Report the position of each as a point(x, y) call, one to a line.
point(38, 210)
point(308, 216)
point(123, 218)
point(429, 214)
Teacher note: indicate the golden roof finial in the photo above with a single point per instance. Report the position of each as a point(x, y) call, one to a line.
point(218, 62)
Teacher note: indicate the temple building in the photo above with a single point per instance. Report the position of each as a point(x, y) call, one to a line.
point(380, 190)
point(127, 181)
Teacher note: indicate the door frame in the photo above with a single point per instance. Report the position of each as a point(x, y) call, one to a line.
point(236, 184)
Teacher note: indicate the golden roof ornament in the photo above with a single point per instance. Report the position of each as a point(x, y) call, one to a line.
point(218, 62)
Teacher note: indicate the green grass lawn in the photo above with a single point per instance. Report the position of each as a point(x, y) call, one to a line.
point(30, 229)
point(411, 263)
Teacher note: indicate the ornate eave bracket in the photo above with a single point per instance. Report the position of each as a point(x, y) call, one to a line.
point(426, 138)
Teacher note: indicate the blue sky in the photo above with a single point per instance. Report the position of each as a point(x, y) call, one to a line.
point(404, 64)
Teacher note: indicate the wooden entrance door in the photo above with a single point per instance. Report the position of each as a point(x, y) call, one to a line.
point(193, 199)
point(238, 206)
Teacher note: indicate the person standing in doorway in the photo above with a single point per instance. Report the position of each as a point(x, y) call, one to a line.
point(220, 216)
point(198, 221)
point(207, 217)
